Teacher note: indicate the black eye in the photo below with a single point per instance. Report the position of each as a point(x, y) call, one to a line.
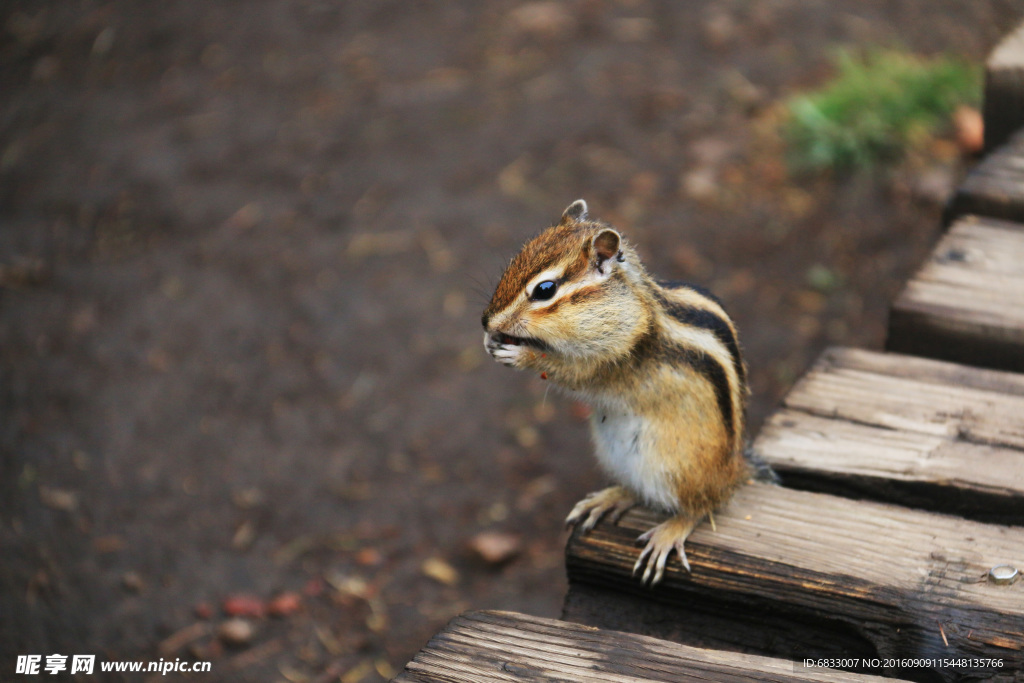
point(544, 290)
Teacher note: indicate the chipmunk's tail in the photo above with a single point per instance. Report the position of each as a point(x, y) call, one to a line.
point(759, 468)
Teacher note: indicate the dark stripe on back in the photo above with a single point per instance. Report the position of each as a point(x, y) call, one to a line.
point(680, 284)
point(705, 320)
point(711, 370)
point(649, 347)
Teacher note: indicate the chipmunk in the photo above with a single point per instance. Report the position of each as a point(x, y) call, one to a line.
point(659, 363)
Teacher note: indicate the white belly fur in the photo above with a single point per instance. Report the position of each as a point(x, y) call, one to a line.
point(625, 449)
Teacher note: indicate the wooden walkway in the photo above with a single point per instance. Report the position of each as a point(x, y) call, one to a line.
point(501, 646)
point(967, 303)
point(894, 544)
point(912, 431)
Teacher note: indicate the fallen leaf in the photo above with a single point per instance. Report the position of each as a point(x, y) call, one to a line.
point(377, 621)
point(236, 631)
point(352, 586)
point(700, 184)
point(384, 669)
point(248, 498)
point(242, 605)
point(245, 218)
point(358, 672)
point(292, 675)
point(497, 512)
point(108, 544)
point(328, 640)
point(284, 604)
point(244, 536)
point(810, 301)
point(970, 129)
point(58, 499)
point(440, 571)
point(368, 557)
point(527, 436)
point(133, 582)
point(495, 547)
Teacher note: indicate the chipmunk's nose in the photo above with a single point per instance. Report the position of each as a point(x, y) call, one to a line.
point(484, 319)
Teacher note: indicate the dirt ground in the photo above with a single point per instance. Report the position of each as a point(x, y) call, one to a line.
point(244, 247)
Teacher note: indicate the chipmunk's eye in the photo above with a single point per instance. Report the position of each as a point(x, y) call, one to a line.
point(544, 290)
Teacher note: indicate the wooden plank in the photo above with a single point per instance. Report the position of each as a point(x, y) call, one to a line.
point(907, 430)
point(966, 304)
point(1003, 107)
point(503, 646)
point(868, 578)
point(995, 187)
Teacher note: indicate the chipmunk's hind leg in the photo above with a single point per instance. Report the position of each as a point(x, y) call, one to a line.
point(661, 541)
point(613, 500)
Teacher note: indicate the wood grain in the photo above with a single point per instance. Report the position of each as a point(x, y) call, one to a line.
point(503, 646)
point(905, 582)
point(995, 187)
point(966, 304)
point(1003, 108)
point(907, 430)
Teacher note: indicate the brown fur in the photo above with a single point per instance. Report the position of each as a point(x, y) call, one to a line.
point(707, 461)
point(636, 356)
point(539, 254)
point(584, 295)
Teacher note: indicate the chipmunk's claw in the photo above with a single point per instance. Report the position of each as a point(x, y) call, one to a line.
point(661, 541)
point(614, 501)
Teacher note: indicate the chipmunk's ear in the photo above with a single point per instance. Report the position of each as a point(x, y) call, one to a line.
point(606, 250)
point(577, 211)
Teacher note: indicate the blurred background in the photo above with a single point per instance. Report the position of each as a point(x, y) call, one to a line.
point(245, 412)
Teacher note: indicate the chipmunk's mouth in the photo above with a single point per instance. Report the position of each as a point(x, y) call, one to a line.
point(533, 342)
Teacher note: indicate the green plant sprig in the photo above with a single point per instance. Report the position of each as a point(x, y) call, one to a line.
point(876, 108)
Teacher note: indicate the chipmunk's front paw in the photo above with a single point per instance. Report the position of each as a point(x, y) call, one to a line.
point(661, 541)
point(613, 500)
point(502, 351)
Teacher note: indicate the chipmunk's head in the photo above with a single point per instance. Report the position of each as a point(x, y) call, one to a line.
point(569, 297)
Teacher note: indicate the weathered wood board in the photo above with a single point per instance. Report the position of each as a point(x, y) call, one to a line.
point(907, 430)
point(862, 579)
point(1003, 108)
point(502, 646)
point(966, 304)
point(995, 187)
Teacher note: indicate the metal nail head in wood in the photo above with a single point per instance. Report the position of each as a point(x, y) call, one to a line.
point(1003, 574)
